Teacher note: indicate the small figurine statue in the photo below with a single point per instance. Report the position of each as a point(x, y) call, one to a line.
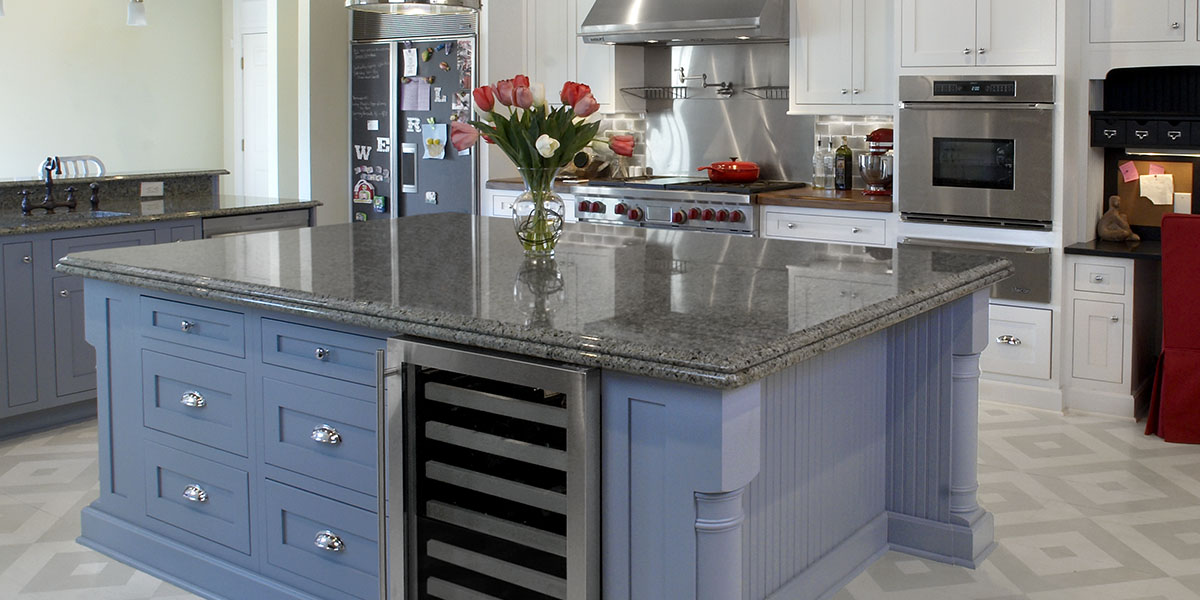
point(1114, 226)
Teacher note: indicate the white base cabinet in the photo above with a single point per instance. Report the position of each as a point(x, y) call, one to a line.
point(985, 33)
point(1020, 342)
point(832, 226)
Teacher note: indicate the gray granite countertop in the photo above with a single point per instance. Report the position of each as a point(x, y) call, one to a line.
point(136, 211)
point(152, 175)
point(709, 309)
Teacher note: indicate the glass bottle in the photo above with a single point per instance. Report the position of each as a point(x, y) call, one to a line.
point(844, 166)
point(828, 159)
point(818, 165)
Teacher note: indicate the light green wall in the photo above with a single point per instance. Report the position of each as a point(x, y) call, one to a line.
point(74, 79)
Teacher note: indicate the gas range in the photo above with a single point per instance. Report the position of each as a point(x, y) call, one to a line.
point(674, 203)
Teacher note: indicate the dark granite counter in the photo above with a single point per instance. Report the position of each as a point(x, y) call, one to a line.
point(122, 176)
point(720, 311)
point(128, 210)
point(1146, 250)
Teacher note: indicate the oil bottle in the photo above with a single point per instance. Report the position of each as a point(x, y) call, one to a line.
point(843, 166)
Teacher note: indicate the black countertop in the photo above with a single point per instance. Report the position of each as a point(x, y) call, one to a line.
point(1147, 250)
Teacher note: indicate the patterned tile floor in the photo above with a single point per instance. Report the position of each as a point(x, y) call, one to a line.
point(1087, 508)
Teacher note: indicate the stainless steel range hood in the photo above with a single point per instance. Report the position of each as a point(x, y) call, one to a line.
point(685, 22)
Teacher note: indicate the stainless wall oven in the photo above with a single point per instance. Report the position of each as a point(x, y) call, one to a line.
point(977, 150)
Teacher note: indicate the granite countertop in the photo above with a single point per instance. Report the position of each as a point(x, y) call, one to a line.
point(1148, 250)
point(137, 211)
point(120, 176)
point(714, 310)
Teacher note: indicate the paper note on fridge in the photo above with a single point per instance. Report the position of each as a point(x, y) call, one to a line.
point(1160, 189)
point(415, 95)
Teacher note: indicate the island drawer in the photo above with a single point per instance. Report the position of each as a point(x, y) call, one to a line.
point(320, 351)
point(191, 326)
point(321, 434)
point(323, 541)
point(1019, 342)
point(199, 496)
point(1102, 279)
point(195, 401)
point(842, 230)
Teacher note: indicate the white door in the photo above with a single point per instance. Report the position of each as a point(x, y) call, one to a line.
point(874, 76)
point(937, 33)
point(1098, 344)
point(255, 166)
point(1016, 32)
point(1137, 21)
point(824, 62)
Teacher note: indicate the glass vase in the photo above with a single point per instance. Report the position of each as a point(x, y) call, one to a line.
point(538, 213)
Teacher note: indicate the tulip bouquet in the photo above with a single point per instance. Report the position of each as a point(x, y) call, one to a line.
point(540, 141)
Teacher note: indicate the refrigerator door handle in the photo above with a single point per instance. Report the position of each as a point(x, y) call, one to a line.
point(408, 168)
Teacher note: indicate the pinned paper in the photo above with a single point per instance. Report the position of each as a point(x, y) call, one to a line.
point(1129, 171)
point(1159, 189)
point(434, 137)
point(1183, 203)
point(415, 95)
point(1157, 169)
point(410, 62)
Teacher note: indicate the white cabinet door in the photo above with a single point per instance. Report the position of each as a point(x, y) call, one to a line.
point(1098, 341)
point(937, 33)
point(874, 32)
point(1016, 32)
point(823, 71)
point(594, 63)
point(1137, 21)
point(551, 43)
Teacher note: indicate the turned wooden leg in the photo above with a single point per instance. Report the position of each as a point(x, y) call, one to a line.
point(719, 520)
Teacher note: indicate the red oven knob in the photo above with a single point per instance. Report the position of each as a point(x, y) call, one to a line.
point(679, 218)
point(722, 215)
point(599, 207)
point(635, 214)
point(621, 209)
point(709, 214)
point(694, 214)
point(585, 206)
point(737, 216)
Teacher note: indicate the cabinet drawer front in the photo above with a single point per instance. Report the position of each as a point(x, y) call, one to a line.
point(199, 496)
point(296, 518)
point(64, 246)
point(192, 326)
point(320, 351)
point(1019, 342)
point(1103, 279)
point(195, 401)
point(324, 435)
point(842, 230)
point(1108, 132)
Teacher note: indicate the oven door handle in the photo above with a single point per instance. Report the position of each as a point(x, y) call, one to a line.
point(975, 106)
point(957, 245)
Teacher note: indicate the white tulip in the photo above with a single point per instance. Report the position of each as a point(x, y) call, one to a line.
point(539, 93)
point(546, 146)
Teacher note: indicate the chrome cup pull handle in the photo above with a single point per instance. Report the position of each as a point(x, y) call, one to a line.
point(325, 434)
point(186, 326)
point(329, 541)
point(321, 353)
point(1009, 340)
point(195, 493)
point(193, 399)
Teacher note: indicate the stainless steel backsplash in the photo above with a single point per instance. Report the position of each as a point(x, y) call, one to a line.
point(682, 135)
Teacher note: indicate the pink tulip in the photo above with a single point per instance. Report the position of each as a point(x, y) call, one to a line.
point(462, 135)
point(521, 81)
point(586, 106)
point(522, 97)
point(485, 98)
point(504, 92)
point(621, 144)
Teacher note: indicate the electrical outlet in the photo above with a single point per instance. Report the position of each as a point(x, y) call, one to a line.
point(152, 188)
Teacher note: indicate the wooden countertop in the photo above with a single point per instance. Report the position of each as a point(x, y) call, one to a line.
point(832, 199)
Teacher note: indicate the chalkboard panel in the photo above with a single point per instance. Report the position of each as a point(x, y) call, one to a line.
point(371, 94)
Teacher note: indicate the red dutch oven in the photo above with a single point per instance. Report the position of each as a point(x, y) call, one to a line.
point(732, 171)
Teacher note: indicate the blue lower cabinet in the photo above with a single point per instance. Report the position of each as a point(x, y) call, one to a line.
point(198, 496)
point(195, 401)
point(322, 352)
point(190, 326)
point(323, 541)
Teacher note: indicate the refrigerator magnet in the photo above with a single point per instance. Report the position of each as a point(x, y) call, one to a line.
point(435, 140)
point(358, 216)
point(462, 100)
point(380, 204)
point(438, 96)
point(364, 192)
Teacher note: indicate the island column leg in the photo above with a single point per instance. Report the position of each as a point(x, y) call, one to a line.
point(969, 343)
point(719, 520)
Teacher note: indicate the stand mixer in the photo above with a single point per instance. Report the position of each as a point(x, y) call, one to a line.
point(876, 165)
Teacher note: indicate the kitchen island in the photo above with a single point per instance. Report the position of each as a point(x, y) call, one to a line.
point(774, 415)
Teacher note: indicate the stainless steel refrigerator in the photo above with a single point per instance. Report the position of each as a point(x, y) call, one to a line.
point(410, 76)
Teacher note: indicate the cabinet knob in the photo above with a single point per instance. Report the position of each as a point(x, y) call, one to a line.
point(1098, 278)
point(1175, 25)
point(193, 399)
point(195, 493)
point(186, 326)
point(64, 293)
point(321, 353)
point(791, 225)
point(1116, 319)
point(26, 259)
point(966, 50)
point(855, 230)
point(983, 50)
point(329, 541)
point(325, 434)
point(845, 91)
point(856, 91)
point(1009, 340)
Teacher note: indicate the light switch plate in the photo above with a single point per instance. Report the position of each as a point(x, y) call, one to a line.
point(152, 188)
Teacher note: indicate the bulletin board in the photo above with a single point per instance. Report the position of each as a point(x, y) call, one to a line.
point(1144, 216)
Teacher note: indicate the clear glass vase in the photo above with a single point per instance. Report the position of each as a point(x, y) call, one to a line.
point(538, 213)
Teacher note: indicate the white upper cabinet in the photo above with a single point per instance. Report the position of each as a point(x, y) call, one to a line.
point(551, 42)
point(956, 33)
point(1137, 21)
point(841, 55)
point(594, 63)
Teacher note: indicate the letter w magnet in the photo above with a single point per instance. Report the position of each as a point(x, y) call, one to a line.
point(362, 152)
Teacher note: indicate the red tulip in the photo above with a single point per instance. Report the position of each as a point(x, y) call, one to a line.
point(586, 105)
point(504, 92)
point(522, 97)
point(485, 98)
point(621, 144)
point(572, 92)
point(462, 135)
point(521, 81)
point(487, 138)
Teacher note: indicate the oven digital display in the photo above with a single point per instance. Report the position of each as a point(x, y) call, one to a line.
point(999, 89)
point(974, 163)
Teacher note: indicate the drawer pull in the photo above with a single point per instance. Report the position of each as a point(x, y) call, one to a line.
point(791, 225)
point(26, 259)
point(1009, 340)
point(1175, 25)
point(329, 542)
point(321, 353)
point(64, 293)
point(193, 399)
point(1098, 278)
point(324, 434)
point(186, 326)
point(855, 230)
point(1110, 133)
point(1141, 134)
point(194, 493)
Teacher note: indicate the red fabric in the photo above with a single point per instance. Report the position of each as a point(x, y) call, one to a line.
point(1175, 402)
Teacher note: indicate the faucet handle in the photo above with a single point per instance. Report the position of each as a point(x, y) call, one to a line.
point(71, 199)
point(95, 200)
point(26, 208)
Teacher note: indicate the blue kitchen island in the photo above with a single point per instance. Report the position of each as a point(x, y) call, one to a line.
point(771, 416)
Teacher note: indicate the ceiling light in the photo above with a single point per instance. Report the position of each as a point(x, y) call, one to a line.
point(415, 7)
point(136, 16)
